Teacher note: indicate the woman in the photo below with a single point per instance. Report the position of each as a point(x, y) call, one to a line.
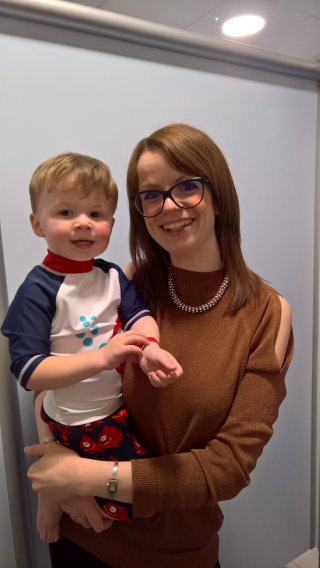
point(232, 335)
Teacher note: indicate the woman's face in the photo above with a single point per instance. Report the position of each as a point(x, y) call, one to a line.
point(186, 234)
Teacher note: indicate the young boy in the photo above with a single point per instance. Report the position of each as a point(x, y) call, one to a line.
point(64, 321)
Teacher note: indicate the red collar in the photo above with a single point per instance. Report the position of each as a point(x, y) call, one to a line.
point(65, 265)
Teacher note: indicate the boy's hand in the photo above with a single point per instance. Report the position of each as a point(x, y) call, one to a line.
point(159, 365)
point(122, 347)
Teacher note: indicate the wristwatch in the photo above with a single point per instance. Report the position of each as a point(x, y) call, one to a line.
point(112, 484)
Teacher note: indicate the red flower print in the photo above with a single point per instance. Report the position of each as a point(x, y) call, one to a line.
point(88, 445)
point(90, 425)
point(116, 511)
point(64, 433)
point(120, 416)
point(137, 446)
point(109, 438)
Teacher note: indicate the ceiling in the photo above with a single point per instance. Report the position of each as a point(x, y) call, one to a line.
point(292, 26)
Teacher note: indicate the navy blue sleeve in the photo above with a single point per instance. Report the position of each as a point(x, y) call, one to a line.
point(28, 322)
point(131, 308)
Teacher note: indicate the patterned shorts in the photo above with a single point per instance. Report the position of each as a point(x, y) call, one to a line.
point(107, 439)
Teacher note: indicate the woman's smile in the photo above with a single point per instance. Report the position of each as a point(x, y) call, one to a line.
point(177, 226)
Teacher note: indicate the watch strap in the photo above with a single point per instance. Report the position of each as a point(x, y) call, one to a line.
point(112, 484)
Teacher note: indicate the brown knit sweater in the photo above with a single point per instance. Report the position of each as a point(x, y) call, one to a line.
point(205, 432)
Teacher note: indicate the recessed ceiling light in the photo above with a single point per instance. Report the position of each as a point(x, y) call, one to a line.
point(242, 26)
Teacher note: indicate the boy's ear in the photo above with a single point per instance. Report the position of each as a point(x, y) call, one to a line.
point(35, 225)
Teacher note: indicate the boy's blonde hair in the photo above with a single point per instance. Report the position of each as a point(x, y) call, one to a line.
point(73, 172)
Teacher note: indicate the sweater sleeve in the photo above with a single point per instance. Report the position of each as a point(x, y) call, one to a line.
point(202, 477)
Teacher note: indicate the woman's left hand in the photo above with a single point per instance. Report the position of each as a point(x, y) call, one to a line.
point(86, 512)
point(56, 472)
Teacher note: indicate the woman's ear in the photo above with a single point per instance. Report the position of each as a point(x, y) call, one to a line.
point(35, 224)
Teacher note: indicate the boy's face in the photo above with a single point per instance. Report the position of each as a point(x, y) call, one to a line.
point(78, 228)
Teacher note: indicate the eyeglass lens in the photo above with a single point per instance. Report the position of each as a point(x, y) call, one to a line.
point(185, 194)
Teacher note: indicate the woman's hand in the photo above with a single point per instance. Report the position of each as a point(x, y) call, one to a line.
point(56, 472)
point(86, 512)
point(61, 474)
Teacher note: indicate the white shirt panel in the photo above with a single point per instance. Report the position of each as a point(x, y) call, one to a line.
point(85, 322)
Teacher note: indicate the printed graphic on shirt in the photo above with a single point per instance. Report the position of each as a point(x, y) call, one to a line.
point(94, 330)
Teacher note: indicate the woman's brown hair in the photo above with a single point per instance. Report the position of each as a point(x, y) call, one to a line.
point(193, 152)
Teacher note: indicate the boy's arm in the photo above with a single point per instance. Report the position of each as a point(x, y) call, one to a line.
point(61, 371)
point(159, 365)
point(55, 372)
point(147, 326)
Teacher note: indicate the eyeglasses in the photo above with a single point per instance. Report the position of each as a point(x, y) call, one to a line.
point(185, 194)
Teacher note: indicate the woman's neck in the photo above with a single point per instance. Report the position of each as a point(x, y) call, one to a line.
point(198, 263)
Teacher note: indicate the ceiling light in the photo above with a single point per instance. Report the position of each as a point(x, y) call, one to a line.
point(242, 26)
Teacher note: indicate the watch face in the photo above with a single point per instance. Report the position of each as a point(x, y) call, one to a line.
point(112, 486)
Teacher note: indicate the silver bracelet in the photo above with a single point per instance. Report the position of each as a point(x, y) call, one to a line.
point(112, 484)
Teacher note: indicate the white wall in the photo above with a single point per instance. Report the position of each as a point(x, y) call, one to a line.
point(63, 90)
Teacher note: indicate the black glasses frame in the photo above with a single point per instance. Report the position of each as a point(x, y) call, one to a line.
point(168, 193)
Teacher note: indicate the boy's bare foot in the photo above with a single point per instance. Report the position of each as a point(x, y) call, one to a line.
point(48, 519)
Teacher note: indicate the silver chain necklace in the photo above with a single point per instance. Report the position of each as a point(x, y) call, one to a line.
point(197, 309)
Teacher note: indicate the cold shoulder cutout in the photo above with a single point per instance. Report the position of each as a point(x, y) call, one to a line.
point(284, 330)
